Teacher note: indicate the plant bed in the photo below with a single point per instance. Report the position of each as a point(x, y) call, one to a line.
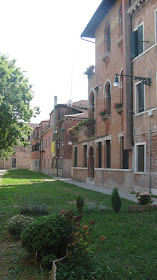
point(141, 208)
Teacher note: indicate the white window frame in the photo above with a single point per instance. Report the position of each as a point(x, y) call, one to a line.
point(155, 20)
point(136, 157)
point(136, 102)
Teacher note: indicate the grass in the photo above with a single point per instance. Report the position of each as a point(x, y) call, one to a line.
point(128, 253)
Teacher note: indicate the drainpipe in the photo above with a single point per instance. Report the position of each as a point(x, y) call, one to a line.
point(150, 156)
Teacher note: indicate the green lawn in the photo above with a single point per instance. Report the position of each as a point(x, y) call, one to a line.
point(128, 253)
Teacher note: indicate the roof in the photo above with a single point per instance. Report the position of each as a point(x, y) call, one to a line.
point(97, 18)
point(79, 116)
point(82, 104)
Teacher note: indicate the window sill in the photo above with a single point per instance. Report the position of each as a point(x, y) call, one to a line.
point(119, 41)
point(106, 55)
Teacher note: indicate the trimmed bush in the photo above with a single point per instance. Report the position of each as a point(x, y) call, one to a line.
point(79, 203)
point(144, 198)
point(116, 200)
point(46, 236)
point(17, 224)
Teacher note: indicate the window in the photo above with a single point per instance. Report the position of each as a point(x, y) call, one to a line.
point(75, 157)
point(99, 155)
point(85, 155)
point(140, 97)
point(13, 162)
point(140, 157)
point(108, 97)
point(124, 155)
point(108, 154)
point(91, 105)
point(137, 42)
point(107, 38)
point(156, 26)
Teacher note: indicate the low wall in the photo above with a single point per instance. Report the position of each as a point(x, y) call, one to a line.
point(79, 174)
point(109, 178)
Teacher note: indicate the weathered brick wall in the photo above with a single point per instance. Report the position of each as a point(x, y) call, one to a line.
point(23, 158)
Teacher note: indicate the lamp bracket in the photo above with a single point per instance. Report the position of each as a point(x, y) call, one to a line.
point(143, 80)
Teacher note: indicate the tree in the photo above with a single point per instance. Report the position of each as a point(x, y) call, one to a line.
point(15, 111)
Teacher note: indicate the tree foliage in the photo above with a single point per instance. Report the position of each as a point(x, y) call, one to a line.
point(15, 111)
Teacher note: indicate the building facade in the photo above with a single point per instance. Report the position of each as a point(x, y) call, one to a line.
point(119, 147)
point(21, 157)
point(51, 144)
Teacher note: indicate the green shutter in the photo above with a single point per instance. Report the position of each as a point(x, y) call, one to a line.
point(140, 39)
point(141, 97)
point(134, 44)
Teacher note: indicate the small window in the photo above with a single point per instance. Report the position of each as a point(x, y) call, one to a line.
point(107, 38)
point(108, 154)
point(108, 98)
point(13, 162)
point(85, 155)
point(75, 157)
point(99, 155)
point(140, 98)
point(137, 42)
point(140, 157)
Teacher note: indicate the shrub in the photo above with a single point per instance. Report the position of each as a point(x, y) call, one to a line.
point(36, 209)
point(79, 203)
point(17, 224)
point(116, 200)
point(46, 236)
point(144, 198)
point(102, 207)
point(32, 205)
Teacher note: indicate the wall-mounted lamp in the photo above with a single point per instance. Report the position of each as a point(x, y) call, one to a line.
point(145, 81)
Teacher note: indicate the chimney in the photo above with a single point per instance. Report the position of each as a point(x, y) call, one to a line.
point(55, 101)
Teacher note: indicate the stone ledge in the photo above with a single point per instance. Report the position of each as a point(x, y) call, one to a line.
point(141, 208)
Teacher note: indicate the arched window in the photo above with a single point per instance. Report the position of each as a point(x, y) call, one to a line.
point(120, 21)
point(107, 38)
point(108, 97)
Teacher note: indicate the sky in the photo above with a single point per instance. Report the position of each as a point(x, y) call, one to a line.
point(44, 38)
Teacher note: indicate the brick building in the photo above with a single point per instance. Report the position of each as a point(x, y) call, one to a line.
point(117, 147)
point(21, 158)
point(51, 144)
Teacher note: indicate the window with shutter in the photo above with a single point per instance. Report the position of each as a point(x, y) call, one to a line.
point(140, 98)
point(108, 154)
point(137, 42)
